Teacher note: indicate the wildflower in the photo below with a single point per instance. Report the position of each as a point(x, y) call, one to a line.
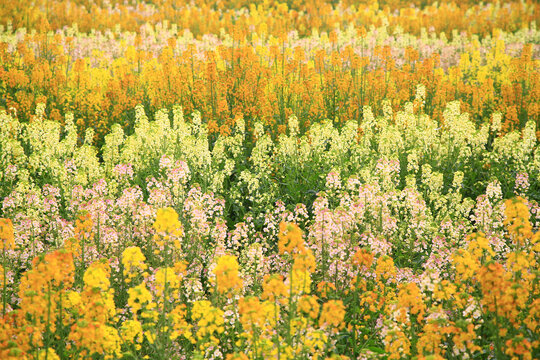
point(290, 238)
point(300, 282)
point(274, 288)
point(180, 268)
point(304, 261)
point(309, 305)
point(227, 273)
point(236, 356)
point(93, 338)
point(7, 239)
point(433, 335)
point(520, 346)
point(180, 325)
point(167, 222)
point(385, 268)
point(139, 296)
point(465, 264)
point(316, 341)
point(97, 276)
point(410, 297)
point(479, 247)
point(517, 220)
point(83, 225)
point(397, 344)
point(363, 258)
point(73, 300)
point(47, 354)
point(333, 313)
point(325, 287)
point(210, 321)
point(131, 331)
point(166, 278)
point(133, 260)
point(254, 314)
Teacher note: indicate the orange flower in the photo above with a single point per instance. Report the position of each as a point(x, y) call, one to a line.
point(7, 237)
point(290, 238)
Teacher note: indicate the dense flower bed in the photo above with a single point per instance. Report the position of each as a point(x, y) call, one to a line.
point(301, 180)
point(249, 70)
point(170, 246)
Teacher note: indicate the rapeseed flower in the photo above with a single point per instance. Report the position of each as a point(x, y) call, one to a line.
point(290, 238)
point(7, 238)
point(167, 222)
point(133, 259)
point(227, 273)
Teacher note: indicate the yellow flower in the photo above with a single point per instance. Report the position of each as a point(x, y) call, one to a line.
point(445, 290)
point(363, 258)
point(304, 261)
point(385, 268)
point(300, 282)
point(209, 319)
point(465, 265)
point(325, 287)
point(167, 222)
point(309, 305)
point(517, 220)
point(254, 314)
point(110, 342)
point(83, 225)
point(48, 354)
point(290, 238)
point(519, 345)
point(139, 296)
point(166, 278)
point(410, 297)
point(316, 342)
point(479, 247)
point(150, 336)
point(73, 300)
point(133, 259)
point(180, 325)
point(236, 356)
point(180, 268)
point(131, 331)
point(397, 344)
point(96, 338)
point(274, 288)
point(97, 276)
point(7, 238)
point(227, 273)
point(333, 313)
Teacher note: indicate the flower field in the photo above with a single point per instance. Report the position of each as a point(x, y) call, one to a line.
point(227, 179)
